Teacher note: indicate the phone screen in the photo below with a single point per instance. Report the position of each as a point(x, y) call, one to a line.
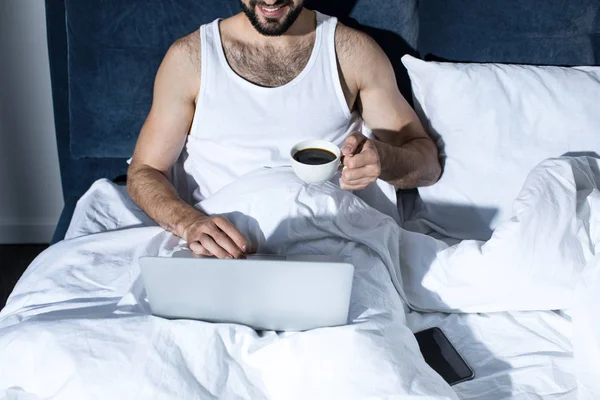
point(440, 355)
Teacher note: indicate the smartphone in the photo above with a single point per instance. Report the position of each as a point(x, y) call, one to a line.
point(440, 355)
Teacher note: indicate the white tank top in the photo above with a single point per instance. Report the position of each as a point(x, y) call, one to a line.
point(240, 127)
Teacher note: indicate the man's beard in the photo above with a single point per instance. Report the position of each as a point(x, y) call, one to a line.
point(272, 27)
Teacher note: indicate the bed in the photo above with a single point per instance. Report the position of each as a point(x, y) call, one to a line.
point(504, 263)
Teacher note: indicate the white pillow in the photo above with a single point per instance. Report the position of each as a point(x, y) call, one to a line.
point(495, 123)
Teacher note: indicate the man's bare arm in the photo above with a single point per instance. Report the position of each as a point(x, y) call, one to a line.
point(159, 145)
point(408, 157)
point(161, 141)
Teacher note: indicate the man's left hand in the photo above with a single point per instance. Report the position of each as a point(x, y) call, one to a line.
point(361, 161)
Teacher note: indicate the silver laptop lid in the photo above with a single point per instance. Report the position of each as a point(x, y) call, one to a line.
point(299, 293)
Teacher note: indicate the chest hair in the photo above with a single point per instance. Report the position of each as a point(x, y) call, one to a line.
point(268, 66)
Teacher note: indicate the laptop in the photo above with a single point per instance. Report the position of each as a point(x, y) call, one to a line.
point(265, 292)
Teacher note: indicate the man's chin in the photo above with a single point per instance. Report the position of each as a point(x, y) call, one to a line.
point(272, 23)
point(270, 28)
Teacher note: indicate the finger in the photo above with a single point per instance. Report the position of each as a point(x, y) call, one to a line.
point(199, 250)
point(352, 174)
point(230, 230)
point(356, 185)
point(359, 182)
point(226, 243)
point(209, 243)
point(361, 160)
point(352, 143)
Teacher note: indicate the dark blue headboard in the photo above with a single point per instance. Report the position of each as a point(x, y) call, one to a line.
point(104, 55)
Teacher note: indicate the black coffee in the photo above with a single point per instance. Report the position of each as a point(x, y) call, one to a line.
point(314, 156)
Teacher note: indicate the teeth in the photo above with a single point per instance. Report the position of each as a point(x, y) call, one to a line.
point(271, 9)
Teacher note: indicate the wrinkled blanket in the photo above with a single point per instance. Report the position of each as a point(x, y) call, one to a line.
point(77, 324)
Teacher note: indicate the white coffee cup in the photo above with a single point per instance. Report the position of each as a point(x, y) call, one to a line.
point(316, 173)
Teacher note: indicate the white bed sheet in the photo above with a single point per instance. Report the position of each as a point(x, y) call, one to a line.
point(77, 325)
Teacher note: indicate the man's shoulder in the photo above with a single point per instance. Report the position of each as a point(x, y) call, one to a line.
point(352, 43)
point(181, 65)
point(361, 59)
point(187, 48)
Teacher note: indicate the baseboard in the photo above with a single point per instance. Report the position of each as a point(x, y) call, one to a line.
point(26, 233)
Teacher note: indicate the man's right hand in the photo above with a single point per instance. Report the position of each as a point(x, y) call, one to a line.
point(216, 236)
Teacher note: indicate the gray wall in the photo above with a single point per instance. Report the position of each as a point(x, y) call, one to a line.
point(30, 189)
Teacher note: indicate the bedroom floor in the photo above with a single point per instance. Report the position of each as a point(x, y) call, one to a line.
point(14, 259)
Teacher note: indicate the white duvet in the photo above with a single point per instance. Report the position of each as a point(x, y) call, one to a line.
point(77, 325)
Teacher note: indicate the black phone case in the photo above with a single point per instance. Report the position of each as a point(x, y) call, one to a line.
point(459, 357)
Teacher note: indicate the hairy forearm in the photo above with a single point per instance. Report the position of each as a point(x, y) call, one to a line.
point(153, 193)
point(410, 165)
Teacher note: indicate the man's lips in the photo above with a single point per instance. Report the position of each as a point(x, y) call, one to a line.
point(272, 11)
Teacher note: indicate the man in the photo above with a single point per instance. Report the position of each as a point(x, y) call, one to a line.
point(241, 91)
